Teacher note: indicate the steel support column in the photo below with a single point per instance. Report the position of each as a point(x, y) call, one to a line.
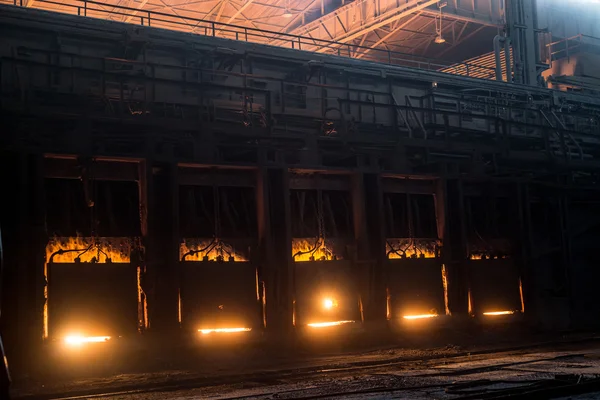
point(276, 236)
point(374, 304)
point(521, 28)
point(29, 263)
point(455, 248)
point(161, 239)
point(526, 250)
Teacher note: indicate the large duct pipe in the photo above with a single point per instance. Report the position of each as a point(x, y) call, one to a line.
point(506, 41)
point(507, 60)
point(497, 40)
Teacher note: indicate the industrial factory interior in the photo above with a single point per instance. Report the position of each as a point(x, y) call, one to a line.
point(299, 199)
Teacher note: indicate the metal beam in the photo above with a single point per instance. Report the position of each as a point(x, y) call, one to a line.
point(128, 18)
point(381, 21)
point(240, 11)
point(389, 35)
point(470, 35)
point(363, 16)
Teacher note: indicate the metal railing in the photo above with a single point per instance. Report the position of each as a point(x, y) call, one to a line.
point(569, 46)
point(95, 9)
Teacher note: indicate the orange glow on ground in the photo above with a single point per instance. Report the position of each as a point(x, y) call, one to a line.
point(77, 340)
point(421, 316)
point(498, 313)
point(328, 324)
point(223, 330)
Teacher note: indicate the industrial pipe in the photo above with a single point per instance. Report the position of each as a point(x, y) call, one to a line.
point(497, 40)
point(507, 59)
point(506, 41)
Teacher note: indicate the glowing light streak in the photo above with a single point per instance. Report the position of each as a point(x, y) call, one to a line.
point(422, 316)
point(328, 324)
point(498, 313)
point(224, 330)
point(77, 340)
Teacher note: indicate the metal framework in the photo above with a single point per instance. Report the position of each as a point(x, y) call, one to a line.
point(406, 26)
point(149, 104)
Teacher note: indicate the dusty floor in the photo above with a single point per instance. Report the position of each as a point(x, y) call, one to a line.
point(552, 369)
point(450, 378)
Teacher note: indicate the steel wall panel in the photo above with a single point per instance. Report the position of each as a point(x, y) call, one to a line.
point(494, 285)
point(219, 295)
point(92, 299)
point(415, 287)
point(319, 280)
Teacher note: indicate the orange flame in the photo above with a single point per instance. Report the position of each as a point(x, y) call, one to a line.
point(485, 257)
point(409, 248)
point(212, 252)
point(445, 286)
point(89, 249)
point(304, 249)
point(100, 249)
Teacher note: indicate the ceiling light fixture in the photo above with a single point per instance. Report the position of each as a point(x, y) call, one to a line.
point(287, 13)
point(439, 39)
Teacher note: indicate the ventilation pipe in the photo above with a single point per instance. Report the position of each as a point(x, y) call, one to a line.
point(506, 41)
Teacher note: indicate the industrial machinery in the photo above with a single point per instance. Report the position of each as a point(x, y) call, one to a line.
point(416, 284)
point(93, 290)
point(325, 276)
point(220, 291)
point(290, 156)
point(90, 297)
point(494, 277)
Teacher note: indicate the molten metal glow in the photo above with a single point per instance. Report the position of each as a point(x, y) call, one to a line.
point(521, 294)
point(329, 303)
point(212, 253)
point(77, 340)
point(327, 324)
point(179, 306)
point(117, 249)
point(406, 248)
point(470, 302)
point(445, 286)
point(308, 249)
point(498, 313)
point(100, 250)
point(388, 304)
point(224, 330)
point(142, 303)
point(422, 316)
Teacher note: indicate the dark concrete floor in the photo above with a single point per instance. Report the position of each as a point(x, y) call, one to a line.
point(415, 366)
